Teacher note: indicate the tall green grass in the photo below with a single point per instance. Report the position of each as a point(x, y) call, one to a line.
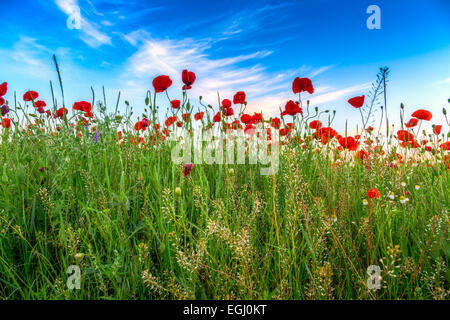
point(304, 233)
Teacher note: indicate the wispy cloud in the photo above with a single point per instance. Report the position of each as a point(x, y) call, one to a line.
point(267, 91)
point(90, 31)
point(25, 58)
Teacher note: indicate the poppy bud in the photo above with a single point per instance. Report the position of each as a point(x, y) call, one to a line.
point(231, 171)
point(444, 111)
point(402, 106)
point(178, 191)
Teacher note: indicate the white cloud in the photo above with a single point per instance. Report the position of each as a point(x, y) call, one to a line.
point(26, 58)
point(266, 91)
point(91, 34)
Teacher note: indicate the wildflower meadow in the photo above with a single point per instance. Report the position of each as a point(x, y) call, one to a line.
point(94, 204)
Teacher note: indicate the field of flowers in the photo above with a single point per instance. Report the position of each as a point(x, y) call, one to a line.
point(360, 216)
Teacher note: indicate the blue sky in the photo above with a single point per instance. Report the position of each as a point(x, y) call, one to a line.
point(255, 46)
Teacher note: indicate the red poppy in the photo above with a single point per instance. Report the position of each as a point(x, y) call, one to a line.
point(362, 155)
point(422, 114)
point(3, 88)
point(404, 135)
point(316, 124)
point(198, 116)
point(411, 144)
point(239, 97)
point(412, 123)
point(292, 109)
point(257, 118)
point(161, 83)
point(249, 129)
point(145, 122)
point(276, 122)
point(175, 104)
point(60, 112)
point(437, 129)
point(348, 143)
point(227, 111)
point(82, 106)
point(216, 118)
point(179, 124)
point(6, 123)
point(428, 148)
point(236, 125)
point(170, 120)
point(357, 102)
point(302, 84)
point(138, 126)
point(186, 117)
point(445, 146)
point(2, 101)
point(30, 95)
point(188, 79)
point(246, 118)
point(373, 193)
point(188, 168)
point(226, 103)
point(284, 131)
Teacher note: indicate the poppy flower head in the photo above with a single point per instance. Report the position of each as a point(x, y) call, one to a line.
point(6, 123)
point(61, 112)
point(316, 124)
point(246, 118)
point(257, 118)
point(437, 129)
point(170, 120)
point(284, 131)
point(3, 88)
point(188, 168)
point(226, 103)
point(186, 117)
point(30, 96)
point(82, 106)
point(445, 146)
point(227, 112)
point(373, 193)
point(239, 97)
point(2, 101)
point(138, 126)
point(412, 123)
point(357, 102)
point(161, 83)
point(276, 122)
point(422, 114)
point(198, 116)
point(292, 109)
point(404, 135)
point(302, 84)
point(5, 110)
point(348, 143)
point(249, 129)
point(216, 118)
point(39, 104)
point(188, 79)
point(175, 104)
